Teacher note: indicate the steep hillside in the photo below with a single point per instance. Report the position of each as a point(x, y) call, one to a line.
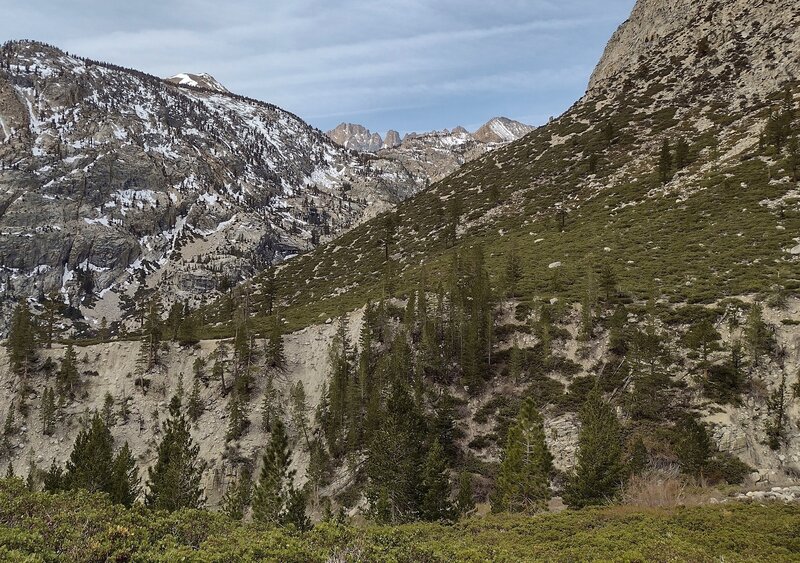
point(116, 182)
point(667, 195)
point(586, 189)
point(642, 247)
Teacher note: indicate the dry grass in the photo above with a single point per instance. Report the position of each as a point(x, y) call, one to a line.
point(664, 489)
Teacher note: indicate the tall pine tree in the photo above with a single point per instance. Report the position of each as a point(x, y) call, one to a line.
point(599, 471)
point(174, 481)
point(523, 483)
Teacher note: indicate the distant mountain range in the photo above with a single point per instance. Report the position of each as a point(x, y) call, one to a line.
point(357, 137)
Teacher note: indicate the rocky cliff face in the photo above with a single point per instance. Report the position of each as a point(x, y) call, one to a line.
point(202, 80)
point(742, 47)
point(501, 130)
point(356, 137)
point(428, 157)
point(115, 182)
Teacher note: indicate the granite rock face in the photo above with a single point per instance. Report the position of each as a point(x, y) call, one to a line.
point(136, 184)
point(742, 47)
point(428, 157)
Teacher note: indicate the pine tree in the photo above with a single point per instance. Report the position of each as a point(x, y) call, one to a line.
point(187, 328)
point(274, 488)
point(693, 446)
point(608, 281)
point(395, 458)
point(237, 417)
point(523, 483)
point(759, 341)
point(174, 481)
point(703, 338)
point(295, 511)
point(52, 307)
point(435, 505)
point(90, 465)
point(238, 495)
point(638, 458)
point(68, 376)
point(268, 291)
point(599, 471)
point(269, 407)
point(125, 486)
point(793, 159)
point(195, 406)
point(776, 425)
point(275, 356)
point(47, 411)
point(21, 343)
point(152, 332)
point(465, 500)
point(109, 416)
point(300, 411)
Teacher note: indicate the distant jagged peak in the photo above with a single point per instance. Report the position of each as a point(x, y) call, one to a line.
point(356, 137)
point(197, 80)
point(499, 130)
point(502, 130)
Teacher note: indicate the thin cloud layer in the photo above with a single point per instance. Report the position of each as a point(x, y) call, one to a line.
point(407, 65)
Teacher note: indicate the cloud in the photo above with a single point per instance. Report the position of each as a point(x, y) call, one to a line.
point(390, 62)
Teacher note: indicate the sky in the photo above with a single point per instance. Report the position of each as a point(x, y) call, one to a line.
point(408, 65)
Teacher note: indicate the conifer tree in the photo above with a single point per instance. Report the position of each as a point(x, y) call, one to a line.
point(599, 471)
point(269, 405)
point(67, 378)
point(109, 416)
point(125, 483)
point(195, 406)
point(759, 340)
point(52, 307)
point(187, 328)
point(523, 483)
point(275, 356)
point(220, 359)
point(435, 505)
point(465, 500)
point(47, 411)
point(608, 281)
point(274, 493)
point(238, 495)
point(703, 338)
point(21, 343)
point(237, 417)
point(300, 411)
point(776, 425)
point(174, 481)
point(794, 158)
point(395, 458)
point(693, 446)
point(268, 291)
point(151, 336)
point(90, 465)
point(639, 457)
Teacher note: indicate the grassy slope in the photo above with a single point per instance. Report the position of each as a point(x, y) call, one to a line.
point(82, 527)
point(704, 236)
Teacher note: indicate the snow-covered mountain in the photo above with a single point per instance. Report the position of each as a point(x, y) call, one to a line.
point(114, 183)
point(501, 130)
point(428, 157)
point(201, 80)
